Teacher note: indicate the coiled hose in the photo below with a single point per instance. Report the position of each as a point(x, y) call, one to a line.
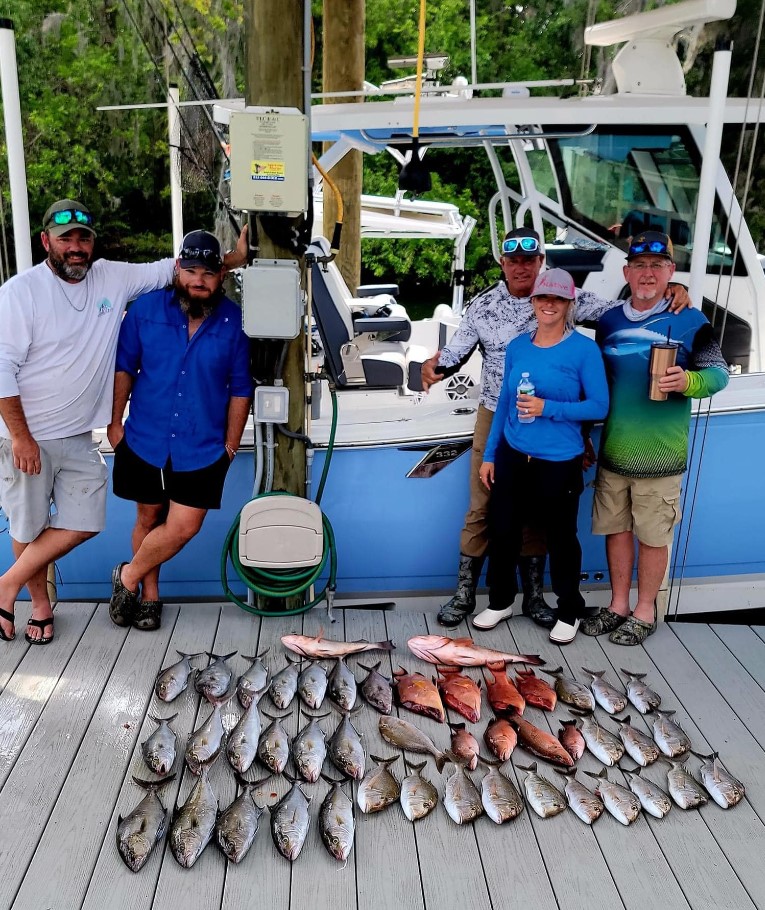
point(282, 583)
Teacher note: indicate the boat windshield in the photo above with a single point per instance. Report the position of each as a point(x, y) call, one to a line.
point(617, 182)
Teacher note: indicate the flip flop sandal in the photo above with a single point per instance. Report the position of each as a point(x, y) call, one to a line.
point(605, 621)
point(41, 625)
point(9, 617)
point(122, 603)
point(148, 615)
point(632, 632)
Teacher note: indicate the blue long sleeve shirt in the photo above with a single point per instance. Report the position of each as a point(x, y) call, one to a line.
point(181, 386)
point(571, 379)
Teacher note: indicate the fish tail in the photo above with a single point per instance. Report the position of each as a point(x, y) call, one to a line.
point(532, 659)
point(634, 675)
point(220, 656)
point(597, 673)
point(153, 784)
point(441, 759)
point(416, 766)
point(383, 761)
point(372, 668)
point(189, 656)
point(388, 645)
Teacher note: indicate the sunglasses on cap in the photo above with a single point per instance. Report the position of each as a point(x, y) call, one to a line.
point(654, 246)
point(527, 244)
point(210, 258)
point(67, 216)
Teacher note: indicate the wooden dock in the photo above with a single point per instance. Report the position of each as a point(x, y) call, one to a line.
point(73, 715)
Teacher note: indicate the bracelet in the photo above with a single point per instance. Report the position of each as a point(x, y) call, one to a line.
point(230, 449)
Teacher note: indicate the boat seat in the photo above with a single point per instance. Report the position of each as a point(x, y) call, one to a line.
point(364, 339)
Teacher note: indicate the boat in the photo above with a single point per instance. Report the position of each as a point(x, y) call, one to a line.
point(593, 169)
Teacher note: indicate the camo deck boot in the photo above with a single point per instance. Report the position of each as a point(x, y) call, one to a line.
point(532, 571)
point(462, 604)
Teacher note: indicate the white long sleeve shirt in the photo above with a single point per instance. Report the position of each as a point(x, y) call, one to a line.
point(58, 342)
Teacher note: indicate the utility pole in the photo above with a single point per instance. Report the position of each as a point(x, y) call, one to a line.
point(274, 77)
point(343, 71)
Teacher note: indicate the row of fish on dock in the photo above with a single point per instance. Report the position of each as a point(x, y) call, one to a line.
point(196, 823)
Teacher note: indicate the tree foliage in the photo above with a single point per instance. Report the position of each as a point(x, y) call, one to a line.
point(76, 56)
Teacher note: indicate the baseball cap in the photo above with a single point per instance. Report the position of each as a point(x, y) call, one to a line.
point(522, 241)
point(651, 243)
point(556, 282)
point(67, 215)
point(200, 248)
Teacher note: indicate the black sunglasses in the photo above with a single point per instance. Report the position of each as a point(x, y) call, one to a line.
point(209, 257)
point(67, 216)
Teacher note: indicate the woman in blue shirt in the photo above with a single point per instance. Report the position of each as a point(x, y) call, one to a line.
point(534, 469)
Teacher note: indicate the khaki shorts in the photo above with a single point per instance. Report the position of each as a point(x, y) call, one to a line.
point(647, 506)
point(69, 492)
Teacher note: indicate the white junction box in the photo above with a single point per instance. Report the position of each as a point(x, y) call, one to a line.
point(272, 299)
point(271, 404)
point(269, 160)
point(280, 532)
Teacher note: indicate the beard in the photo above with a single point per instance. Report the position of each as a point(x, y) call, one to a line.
point(68, 270)
point(196, 307)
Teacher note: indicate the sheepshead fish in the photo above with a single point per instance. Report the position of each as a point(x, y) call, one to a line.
point(723, 787)
point(237, 826)
point(174, 679)
point(501, 692)
point(541, 743)
point(251, 683)
point(290, 821)
point(345, 749)
point(610, 700)
point(409, 738)
point(242, 741)
point(321, 648)
point(601, 742)
point(379, 788)
point(419, 694)
point(336, 824)
point(312, 685)
point(377, 689)
point(640, 747)
point(418, 796)
point(543, 797)
point(619, 801)
point(537, 692)
point(641, 695)
point(205, 743)
point(283, 685)
point(342, 685)
point(309, 749)
point(461, 798)
point(215, 680)
point(274, 744)
point(652, 798)
point(572, 692)
point(501, 738)
point(462, 652)
point(683, 787)
point(140, 831)
point(159, 749)
point(465, 745)
point(585, 805)
point(499, 796)
point(460, 692)
point(670, 737)
point(193, 824)
point(570, 737)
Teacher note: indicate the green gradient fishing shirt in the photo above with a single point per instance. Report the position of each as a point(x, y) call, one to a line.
point(644, 438)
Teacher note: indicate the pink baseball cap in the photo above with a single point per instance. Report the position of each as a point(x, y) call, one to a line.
point(556, 282)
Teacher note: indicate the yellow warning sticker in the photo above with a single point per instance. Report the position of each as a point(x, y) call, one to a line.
point(267, 170)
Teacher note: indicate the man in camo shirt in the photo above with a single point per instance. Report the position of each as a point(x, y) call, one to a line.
point(493, 318)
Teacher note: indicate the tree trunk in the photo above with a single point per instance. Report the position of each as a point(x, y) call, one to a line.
point(343, 71)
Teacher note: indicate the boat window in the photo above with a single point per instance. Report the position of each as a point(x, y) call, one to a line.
point(618, 182)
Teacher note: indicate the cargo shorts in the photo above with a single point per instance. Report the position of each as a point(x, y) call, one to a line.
point(647, 506)
point(69, 493)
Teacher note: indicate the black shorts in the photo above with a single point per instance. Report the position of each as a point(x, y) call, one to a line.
point(137, 480)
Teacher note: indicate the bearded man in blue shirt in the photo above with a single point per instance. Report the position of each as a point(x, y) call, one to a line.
point(183, 361)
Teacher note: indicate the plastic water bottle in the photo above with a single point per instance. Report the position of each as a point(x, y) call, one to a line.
point(525, 387)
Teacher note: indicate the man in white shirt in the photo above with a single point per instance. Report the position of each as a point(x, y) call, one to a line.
point(59, 324)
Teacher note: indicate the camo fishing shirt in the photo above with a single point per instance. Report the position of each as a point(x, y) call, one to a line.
point(491, 321)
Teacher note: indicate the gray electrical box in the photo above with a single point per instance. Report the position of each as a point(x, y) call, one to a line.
point(269, 160)
point(281, 532)
point(272, 299)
